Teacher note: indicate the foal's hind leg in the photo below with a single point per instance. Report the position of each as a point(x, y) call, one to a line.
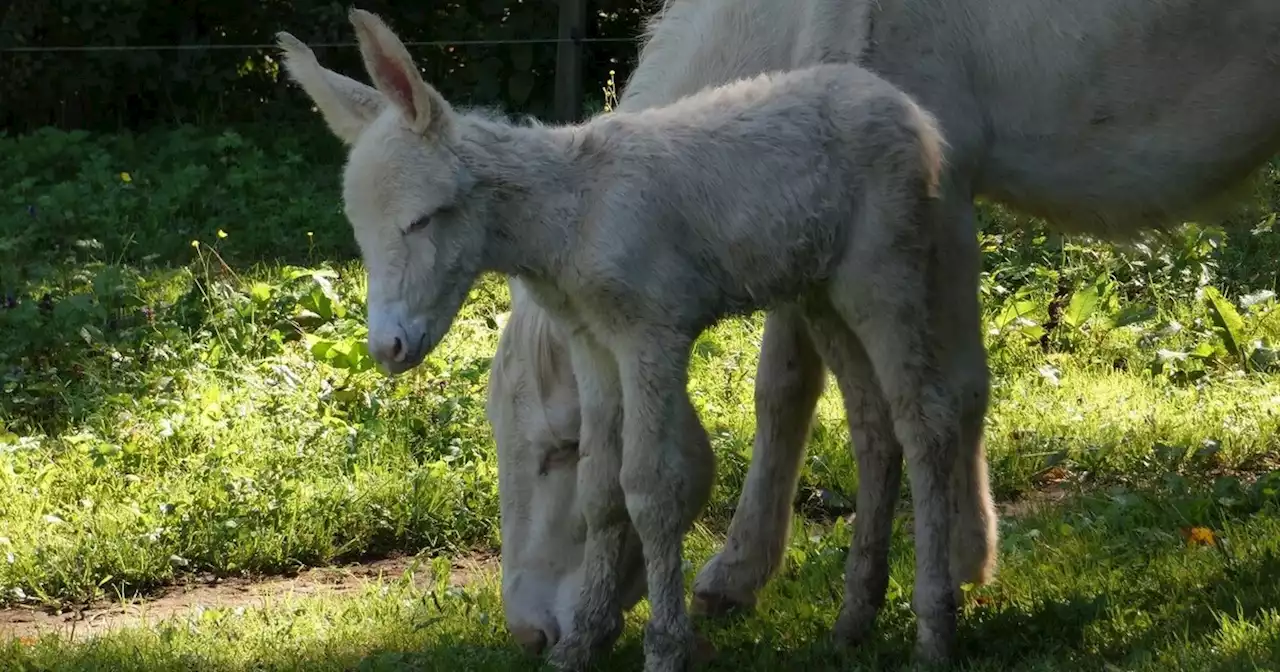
point(789, 380)
point(925, 420)
point(881, 289)
point(879, 458)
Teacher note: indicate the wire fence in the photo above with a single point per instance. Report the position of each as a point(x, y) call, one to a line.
point(318, 45)
point(116, 83)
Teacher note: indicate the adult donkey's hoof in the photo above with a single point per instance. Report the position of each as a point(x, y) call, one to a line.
point(712, 604)
point(719, 590)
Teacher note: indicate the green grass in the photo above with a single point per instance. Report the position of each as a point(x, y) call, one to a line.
point(184, 388)
point(1103, 580)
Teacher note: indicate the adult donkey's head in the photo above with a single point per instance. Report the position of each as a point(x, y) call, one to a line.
point(404, 190)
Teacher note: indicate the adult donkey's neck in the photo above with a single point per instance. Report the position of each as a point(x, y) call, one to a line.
point(533, 180)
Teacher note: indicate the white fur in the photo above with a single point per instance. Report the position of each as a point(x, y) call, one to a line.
point(811, 189)
point(1052, 116)
point(1109, 116)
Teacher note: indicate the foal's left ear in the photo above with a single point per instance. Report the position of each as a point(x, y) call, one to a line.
point(395, 75)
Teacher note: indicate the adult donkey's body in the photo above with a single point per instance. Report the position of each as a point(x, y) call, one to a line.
point(1103, 116)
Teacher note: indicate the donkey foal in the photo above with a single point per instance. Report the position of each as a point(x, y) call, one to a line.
point(812, 189)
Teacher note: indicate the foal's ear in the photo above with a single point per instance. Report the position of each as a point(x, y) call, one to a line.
point(394, 73)
point(346, 105)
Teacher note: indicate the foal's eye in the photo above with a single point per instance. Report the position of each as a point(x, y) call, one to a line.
point(419, 224)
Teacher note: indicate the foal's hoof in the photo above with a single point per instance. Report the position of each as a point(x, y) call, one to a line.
point(934, 648)
point(581, 647)
point(853, 626)
point(571, 655)
point(668, 650)
point(703, 651)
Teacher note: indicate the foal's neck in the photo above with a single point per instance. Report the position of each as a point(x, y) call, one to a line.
point(536, 186)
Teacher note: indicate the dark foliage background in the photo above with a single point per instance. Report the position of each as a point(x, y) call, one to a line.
point(134, 89)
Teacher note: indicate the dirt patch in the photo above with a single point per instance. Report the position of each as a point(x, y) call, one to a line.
point(82, 623)
point(1034, 501)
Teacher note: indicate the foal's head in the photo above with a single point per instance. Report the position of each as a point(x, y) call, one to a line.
point(405, 190)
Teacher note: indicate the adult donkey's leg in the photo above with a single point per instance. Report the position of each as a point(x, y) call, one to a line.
point(597, 618)
point(789, 380)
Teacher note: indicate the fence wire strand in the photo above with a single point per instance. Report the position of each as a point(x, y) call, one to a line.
point(318, 45)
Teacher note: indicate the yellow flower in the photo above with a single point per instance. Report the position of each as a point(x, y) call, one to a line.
point(195, 244)
point(124, 177)
point(1196, 536)
point(222, 234)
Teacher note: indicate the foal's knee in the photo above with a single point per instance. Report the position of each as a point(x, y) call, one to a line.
point(666, 486)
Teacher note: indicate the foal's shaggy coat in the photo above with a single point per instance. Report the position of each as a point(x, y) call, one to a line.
point(638, 231)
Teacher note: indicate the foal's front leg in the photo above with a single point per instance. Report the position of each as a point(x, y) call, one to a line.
point(597, 617)
point(659, 464)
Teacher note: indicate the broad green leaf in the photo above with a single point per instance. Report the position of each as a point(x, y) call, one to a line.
point(1132, 315)
point(1203, 351)
point(1230, 325)
point(1082, 305)
point(261, 292)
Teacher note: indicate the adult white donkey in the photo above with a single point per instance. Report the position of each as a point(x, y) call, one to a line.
point(1105, 116)
point(812, 188)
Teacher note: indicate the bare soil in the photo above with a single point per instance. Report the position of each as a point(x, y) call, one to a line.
point(84, 622)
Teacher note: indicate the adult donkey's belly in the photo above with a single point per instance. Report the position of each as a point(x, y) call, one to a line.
point(1099, 115)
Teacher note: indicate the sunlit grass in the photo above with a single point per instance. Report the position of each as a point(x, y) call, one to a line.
point(1092, 582)
point(185, 390)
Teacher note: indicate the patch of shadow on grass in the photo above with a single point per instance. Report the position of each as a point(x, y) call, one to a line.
point(447, 657)
point(1241, 589)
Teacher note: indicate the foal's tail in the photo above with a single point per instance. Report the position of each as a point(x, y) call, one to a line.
point(974, 533)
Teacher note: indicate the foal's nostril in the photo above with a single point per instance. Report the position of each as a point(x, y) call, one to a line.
point(397, 349)
point(532, 640)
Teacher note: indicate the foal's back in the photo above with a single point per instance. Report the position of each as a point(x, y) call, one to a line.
point(754, 189)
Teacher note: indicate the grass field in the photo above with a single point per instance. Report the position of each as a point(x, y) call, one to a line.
point(184, 391)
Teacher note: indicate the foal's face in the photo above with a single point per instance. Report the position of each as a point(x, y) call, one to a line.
point(405, 196)
point(404, 190)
